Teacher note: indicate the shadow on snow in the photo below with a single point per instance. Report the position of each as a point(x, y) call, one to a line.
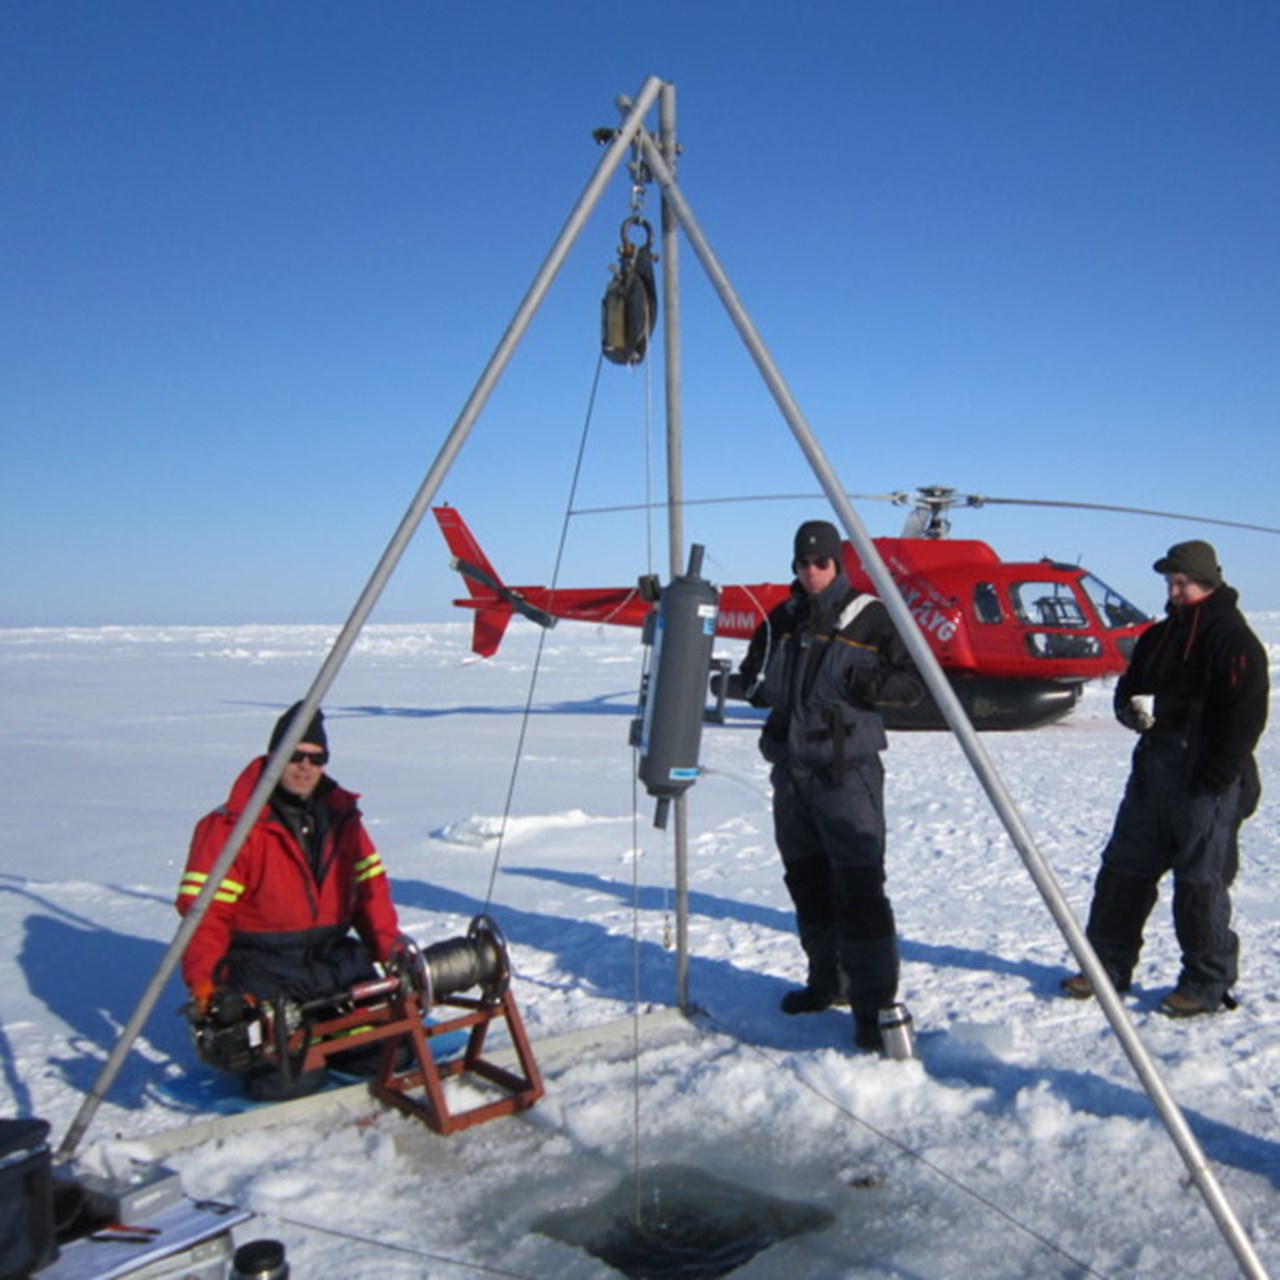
point(91, 978)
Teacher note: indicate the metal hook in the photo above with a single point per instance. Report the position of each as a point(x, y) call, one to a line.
point(628, 246)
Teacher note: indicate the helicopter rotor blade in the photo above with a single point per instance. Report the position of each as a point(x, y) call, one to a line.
point(710, 502)
point(937, 500)
point(1131, 511)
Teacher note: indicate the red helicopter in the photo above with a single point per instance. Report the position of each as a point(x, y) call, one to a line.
point(1016, 640)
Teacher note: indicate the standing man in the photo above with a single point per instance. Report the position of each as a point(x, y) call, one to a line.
point(279, 925)
point(824, 661)
point(1192, 782)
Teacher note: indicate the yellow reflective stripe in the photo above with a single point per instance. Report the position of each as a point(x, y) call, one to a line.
point(229, 891)
point(369, 867)
point(194, 881)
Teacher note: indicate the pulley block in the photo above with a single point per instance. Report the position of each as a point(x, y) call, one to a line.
point(629, 311)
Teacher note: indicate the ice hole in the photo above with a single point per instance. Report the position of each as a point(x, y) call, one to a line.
point(675, 1222)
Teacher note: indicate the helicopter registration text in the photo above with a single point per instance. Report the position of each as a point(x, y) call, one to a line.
point(928, 616)
point(738, 620)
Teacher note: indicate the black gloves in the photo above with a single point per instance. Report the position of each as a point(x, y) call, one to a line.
point(864, 685)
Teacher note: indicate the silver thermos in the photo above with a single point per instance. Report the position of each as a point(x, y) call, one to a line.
point(260, 1260)
point(897, 1032)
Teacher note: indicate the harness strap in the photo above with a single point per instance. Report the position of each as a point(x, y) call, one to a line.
point(853, 608)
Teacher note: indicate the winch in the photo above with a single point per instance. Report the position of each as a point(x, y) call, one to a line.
point(401, 1012)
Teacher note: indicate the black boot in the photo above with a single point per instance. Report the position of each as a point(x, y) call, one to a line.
point(866, 1033)
point(270, 1084)
point(808, 1000)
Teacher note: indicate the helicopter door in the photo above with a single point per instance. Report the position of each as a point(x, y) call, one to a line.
point(1060, 625)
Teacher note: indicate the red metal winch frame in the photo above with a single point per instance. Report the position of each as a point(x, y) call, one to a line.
point(396, 1016)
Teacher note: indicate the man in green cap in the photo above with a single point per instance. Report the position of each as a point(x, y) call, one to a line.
point(1192, 782)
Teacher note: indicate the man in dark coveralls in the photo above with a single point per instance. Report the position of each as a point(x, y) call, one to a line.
point(825, 661)
point(1193, 781)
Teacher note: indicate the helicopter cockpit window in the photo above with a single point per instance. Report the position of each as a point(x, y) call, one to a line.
point(986, 604)
point(1054, 604)
point(1047, 604)
point(1112, 608)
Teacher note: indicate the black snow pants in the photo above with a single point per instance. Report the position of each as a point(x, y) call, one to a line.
point(297, 967)
point(1161, 826)
point(832, 842)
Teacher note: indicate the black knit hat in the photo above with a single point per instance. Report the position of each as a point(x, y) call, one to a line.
point(1197, 560)
point(817, 538)
point(315, 733)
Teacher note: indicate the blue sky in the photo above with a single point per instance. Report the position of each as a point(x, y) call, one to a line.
point(256, 255)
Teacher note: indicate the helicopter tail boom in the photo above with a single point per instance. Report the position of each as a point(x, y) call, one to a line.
point(493, 600)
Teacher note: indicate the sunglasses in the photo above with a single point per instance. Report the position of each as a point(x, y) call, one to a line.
point(821, 563)
point(317, 758)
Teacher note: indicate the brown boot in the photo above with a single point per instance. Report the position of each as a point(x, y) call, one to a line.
point(1181, 1004)
point(1078, 987)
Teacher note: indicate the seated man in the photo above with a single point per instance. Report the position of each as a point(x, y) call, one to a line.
point(307, 873)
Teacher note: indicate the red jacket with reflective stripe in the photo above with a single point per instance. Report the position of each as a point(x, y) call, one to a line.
point(270, 887)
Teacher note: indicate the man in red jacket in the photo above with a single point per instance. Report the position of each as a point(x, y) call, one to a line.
point(307, 874)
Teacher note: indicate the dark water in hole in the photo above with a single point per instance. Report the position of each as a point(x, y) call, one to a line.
point(689, 1226)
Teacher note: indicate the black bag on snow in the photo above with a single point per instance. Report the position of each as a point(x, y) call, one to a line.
point(27, 1239)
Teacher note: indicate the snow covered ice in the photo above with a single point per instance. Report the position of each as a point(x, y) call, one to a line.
point(1019, 1144)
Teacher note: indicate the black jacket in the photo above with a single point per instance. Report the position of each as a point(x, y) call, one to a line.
point(1211, 682)
point(825, 664)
